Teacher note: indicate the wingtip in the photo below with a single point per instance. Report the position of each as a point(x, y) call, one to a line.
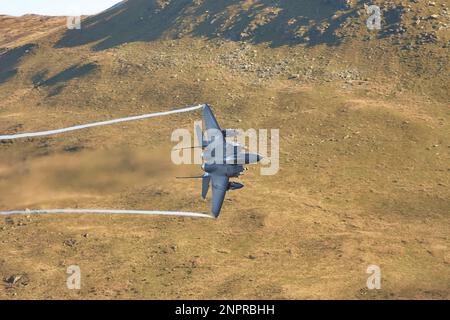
point(215, 215)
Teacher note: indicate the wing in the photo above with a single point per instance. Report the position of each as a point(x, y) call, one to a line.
point(219, 188)
point(214, 133)
point(210, 120)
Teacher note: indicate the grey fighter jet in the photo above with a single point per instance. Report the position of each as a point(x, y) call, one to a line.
point(222, 160)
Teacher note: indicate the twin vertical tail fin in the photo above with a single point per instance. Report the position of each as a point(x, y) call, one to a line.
point(206, 178)
point(201, 143)
point(199, 134)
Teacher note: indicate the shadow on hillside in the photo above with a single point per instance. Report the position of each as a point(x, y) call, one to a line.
point(267, 21)
point(10, 59)
point(75, 71)
point(58, 81)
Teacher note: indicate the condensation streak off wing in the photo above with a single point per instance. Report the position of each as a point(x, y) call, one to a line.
point(142, 212)
point(97, 124)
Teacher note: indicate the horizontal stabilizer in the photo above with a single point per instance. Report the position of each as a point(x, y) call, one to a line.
point(205, 185)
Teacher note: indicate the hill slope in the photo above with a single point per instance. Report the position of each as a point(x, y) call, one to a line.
point(364, 125)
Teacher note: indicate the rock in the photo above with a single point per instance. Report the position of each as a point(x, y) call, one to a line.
point(70, 242)
point(13, 279)
point(73, 148)
point(17, 279)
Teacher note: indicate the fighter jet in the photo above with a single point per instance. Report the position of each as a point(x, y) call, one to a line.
point(222, 160)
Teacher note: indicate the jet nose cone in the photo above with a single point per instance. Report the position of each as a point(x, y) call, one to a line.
point(259, 157)
point(252, 158)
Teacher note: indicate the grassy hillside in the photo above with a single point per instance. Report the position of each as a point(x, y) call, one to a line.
point(364, 125)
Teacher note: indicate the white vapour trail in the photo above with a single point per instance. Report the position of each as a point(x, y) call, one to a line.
point(164, 213)
point(97, 124)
